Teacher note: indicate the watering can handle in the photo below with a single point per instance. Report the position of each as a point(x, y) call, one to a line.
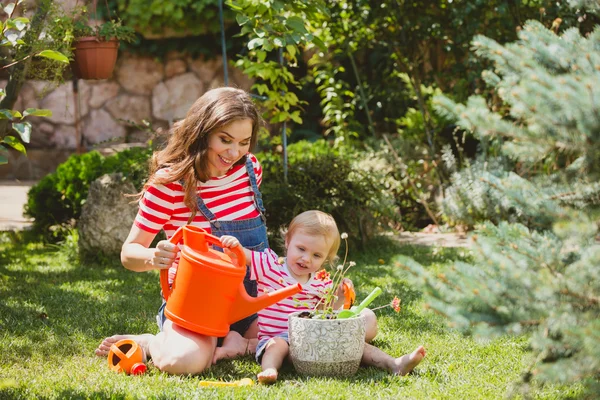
point(237, 250)
point(209, 239)
point(164, 273)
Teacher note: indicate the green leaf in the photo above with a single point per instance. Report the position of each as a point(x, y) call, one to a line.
point(256, 42)
point(21, 23)
point(3, 155)
point(24, 130)
point(296, 24)
point(235, 6)
point(295, 116)
point(54, 55)
point(291, 49)
point(2, 92)
point(14, 143)
point(241, 19)
point(319, 43)
point(9, 8)
point(278, 42)
point(6, 114)
point(34, 112)
point(261, 55)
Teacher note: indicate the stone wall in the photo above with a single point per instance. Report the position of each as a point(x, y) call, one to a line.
point(141, 88)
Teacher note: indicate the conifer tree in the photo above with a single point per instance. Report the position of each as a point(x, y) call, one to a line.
point(535, 267)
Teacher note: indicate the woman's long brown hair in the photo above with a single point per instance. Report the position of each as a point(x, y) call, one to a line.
point(185, 154)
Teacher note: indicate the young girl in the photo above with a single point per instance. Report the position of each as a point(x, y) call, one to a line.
point(312, 239)
point(205, 176)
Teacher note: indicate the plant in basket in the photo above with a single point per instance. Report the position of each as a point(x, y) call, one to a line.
point(326, 341)
point(96, 45)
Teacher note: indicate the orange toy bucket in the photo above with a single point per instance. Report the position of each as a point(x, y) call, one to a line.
point(208, 292)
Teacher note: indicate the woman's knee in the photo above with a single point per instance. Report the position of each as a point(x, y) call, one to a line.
point(183, 352)
point(370, 324)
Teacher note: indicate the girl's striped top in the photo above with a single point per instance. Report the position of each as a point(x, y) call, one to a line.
point(271, 274)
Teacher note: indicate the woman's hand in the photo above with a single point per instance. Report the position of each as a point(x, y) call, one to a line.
point(164, 255)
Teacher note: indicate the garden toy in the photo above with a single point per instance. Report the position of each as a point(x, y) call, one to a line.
point(241, 382)
point(208, 293)
point(126, 356)
point(357, 309)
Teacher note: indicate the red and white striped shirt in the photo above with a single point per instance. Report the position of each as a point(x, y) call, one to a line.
point(228, 197)
point(272, 275)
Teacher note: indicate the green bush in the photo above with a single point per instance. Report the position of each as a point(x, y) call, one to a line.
point(352, 186)
point(57, 199)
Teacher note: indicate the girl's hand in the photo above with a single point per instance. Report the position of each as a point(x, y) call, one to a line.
point(229, 241)
point(164, 255)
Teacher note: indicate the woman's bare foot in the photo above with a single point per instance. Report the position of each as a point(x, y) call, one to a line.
point(233, 345)
point(142, 340)
point(403, 365)
point(268, 376)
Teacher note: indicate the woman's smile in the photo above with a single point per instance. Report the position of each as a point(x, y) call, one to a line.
point(227, 145)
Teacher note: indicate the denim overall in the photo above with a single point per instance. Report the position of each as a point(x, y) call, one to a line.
point(252, 234)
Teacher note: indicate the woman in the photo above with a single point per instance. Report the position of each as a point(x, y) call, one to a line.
point(207, 177)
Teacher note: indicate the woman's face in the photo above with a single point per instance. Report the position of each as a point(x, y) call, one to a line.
point(227, 145)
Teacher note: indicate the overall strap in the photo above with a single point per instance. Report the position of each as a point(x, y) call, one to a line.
point(210, 217)
point(252, 176)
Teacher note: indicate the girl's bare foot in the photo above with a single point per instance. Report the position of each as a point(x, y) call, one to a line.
point(268, 376)
point(233, 345)
point(403, 365)
point(142, 340)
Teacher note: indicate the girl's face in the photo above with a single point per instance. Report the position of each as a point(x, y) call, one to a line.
point(227, 145)
point(306, 254)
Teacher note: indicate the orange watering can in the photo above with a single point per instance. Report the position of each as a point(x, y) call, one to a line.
point(208, 293)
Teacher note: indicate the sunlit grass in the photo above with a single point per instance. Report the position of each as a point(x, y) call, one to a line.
point(54, 310)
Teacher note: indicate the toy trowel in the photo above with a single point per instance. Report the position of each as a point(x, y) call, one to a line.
point(353, 311)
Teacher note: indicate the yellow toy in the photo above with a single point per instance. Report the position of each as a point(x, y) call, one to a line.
point(241, 382)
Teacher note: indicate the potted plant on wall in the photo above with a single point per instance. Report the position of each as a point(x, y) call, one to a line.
point(96, 46)
point(328, 342)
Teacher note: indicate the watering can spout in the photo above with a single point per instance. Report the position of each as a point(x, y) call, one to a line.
point(246, 305)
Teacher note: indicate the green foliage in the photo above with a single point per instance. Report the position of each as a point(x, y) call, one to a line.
point(111, 29)
point(351, 186)
point(57, 198)
point(20, 47)
point(283, 26)
point(192, 17)
point(76, 24)
point(541, 278)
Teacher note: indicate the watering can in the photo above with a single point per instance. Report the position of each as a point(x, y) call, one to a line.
point(208, 292)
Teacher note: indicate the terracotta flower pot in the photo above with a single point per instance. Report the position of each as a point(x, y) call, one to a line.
point(326, 347)
point(94, 58)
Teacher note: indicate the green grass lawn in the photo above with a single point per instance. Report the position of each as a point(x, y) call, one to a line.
point(54, 311)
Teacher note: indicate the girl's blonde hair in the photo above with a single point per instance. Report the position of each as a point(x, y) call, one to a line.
point(186, 151)
point(316, 222)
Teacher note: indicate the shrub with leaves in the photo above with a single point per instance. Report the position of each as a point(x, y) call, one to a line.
point(351, 186)
point(58, 197)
